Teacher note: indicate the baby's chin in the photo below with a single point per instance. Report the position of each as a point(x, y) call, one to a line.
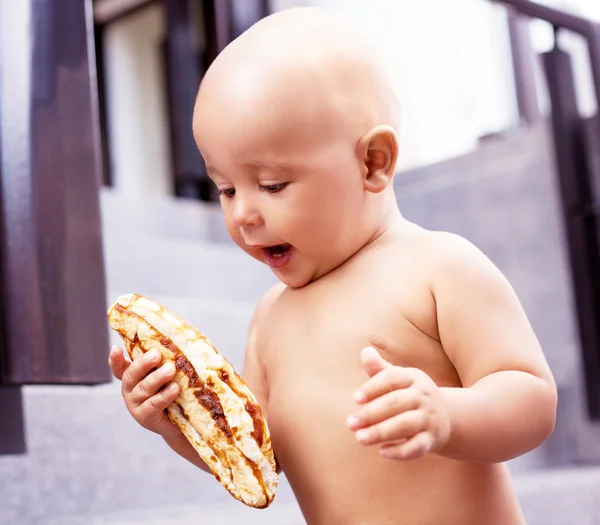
point(301, 276)
point(293, 281)
point(292, 278)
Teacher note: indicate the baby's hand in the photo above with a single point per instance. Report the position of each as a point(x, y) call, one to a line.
point(402, 409)
point(141, 388)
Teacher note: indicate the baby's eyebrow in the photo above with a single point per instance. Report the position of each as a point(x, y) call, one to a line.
point(273, 164)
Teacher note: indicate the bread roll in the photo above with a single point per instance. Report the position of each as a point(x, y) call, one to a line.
point(215, 410)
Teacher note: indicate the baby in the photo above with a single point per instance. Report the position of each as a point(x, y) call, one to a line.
point(395, 365)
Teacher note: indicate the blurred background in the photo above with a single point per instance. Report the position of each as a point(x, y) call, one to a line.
point(102, 192)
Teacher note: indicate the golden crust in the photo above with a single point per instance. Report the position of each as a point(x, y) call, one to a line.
point(215, 409)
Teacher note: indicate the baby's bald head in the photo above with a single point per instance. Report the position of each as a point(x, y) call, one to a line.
point(300, 105)
point(301, 69)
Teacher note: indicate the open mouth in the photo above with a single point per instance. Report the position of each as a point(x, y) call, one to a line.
point(277, 256)
point(280, 250)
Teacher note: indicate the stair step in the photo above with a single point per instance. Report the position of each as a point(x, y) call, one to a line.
point(162, 216)
point(85, 455)
point(170, 266)
point(80, 438)
point(569, 496)
point(229, 514)
point(551, 497)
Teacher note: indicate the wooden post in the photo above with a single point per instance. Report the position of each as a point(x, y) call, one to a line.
point(52, 277)
point(183, 79)
point(223, 21)
point(217, 27)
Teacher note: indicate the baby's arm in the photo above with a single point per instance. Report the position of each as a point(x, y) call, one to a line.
point(253, 371)
point(508, 404)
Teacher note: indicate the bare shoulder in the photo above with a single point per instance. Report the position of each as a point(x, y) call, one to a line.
point(444, 256)
point(453, 246)
point(459, 271)
point(482, 324)
point(266, 302)
point(453, 258)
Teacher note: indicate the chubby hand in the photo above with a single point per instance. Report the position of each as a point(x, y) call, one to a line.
point(402, 410)
point(143, 389)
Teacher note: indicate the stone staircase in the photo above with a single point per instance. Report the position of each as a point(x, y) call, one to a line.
point(88, 463)
point(86, 457)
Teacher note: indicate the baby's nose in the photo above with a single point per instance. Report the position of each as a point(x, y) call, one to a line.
point(245, 214)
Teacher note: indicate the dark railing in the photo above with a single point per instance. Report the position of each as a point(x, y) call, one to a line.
point(52, 279)
point(588, 29)
point(575, 167)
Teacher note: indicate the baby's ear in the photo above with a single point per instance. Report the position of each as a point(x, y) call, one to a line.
point(379, 151)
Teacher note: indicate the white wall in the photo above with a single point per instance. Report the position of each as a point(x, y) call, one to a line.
point(137, 110)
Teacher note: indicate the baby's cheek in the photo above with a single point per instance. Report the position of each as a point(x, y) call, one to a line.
point(234, 231)
point(308, 220)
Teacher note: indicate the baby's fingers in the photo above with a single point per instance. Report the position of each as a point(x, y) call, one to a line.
point(384, 407)
point(152, 409)
point(152, 383)
point(118, 362)
point(399, 427)
point(139, 369)
point(387, 380)
point(414, 448)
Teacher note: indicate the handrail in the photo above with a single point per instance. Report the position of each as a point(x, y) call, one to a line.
point(554, 16)
point(588, 29)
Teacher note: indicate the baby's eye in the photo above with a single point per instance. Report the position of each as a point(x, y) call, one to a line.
point(274, 188)
point(227, 192)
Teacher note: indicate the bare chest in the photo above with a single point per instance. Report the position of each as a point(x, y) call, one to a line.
point(316, 334)
point(310, 352)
